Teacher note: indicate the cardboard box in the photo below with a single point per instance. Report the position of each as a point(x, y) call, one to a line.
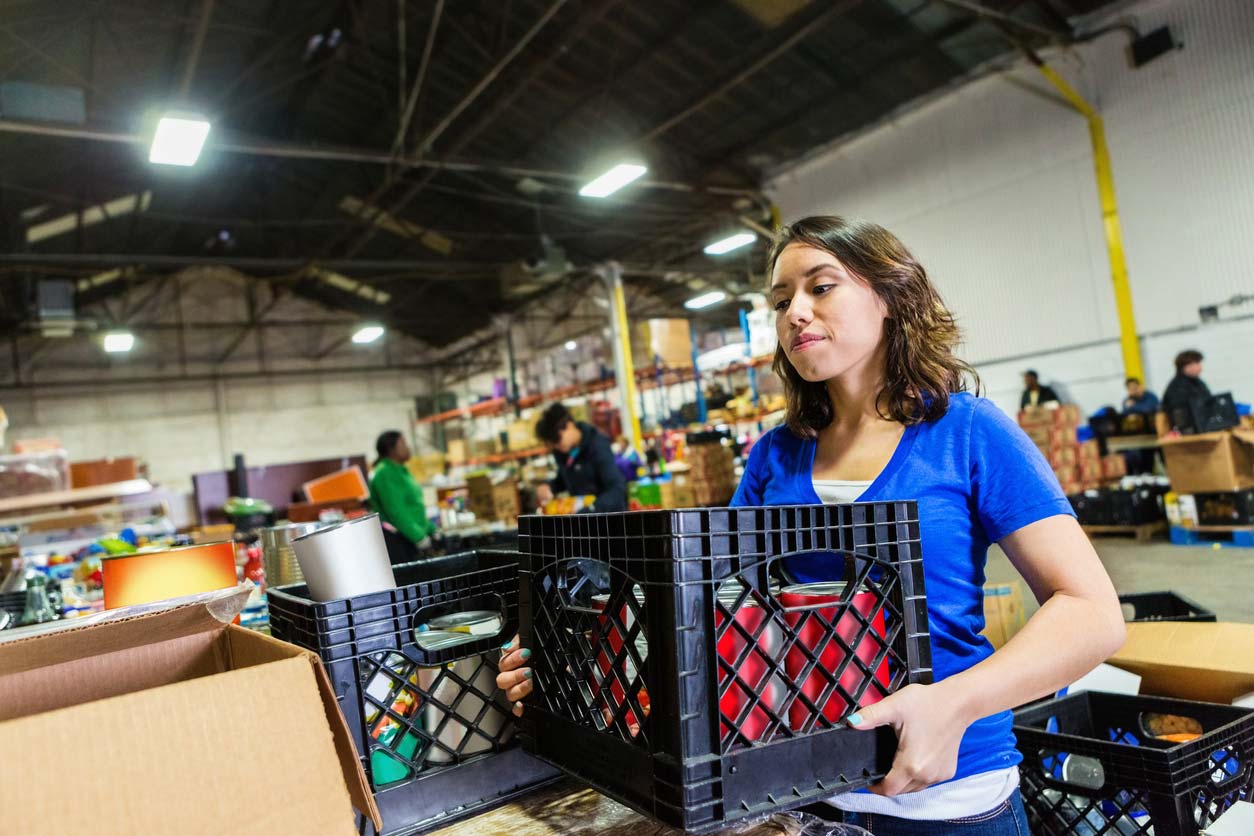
point(1210, 462)
point(103, 472)
point(1068, 415)
point(1040, 435)
point(1070, 473)
point(1033, 416)
point(149, 724)
point(1090, 451)
point(1063, 457)
point(666, 341)
point(1190, 660)
point(1003, 612)
point(348, 483)
point(426, 466)
point(456, 451)
point(1091, 471)
point(522, 436)
point(1114, 467)
point(493, 501)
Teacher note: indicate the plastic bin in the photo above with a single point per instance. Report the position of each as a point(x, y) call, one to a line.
point(669, 676)
point(23, 474)
point(435, 736)
point(1162, 606)
point(1109, 769)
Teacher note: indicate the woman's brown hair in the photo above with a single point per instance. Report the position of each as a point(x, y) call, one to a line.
point(921, 369)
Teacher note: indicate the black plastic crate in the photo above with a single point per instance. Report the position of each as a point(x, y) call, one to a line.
point(1227, 508)
point(1098, 763)
point(1093, 507)
point(435, 736)
point(14, 603)
point(669, 676)
point(1162, 606)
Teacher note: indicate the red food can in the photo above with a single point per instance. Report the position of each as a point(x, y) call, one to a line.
point(754, 671)
point(604, 672)
point(813, 610)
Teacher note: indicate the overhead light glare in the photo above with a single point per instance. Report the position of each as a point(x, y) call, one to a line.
point(613, 180)
point(731, 242)
point(368, 334)
point(178, 141)
point(119, 342)
point(570, 345)
point(705, 300)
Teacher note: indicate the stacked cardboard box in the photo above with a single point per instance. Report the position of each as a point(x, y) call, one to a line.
point(711, 473)
point(490, 500)
point(521, 435)
point(1078, 465)
point(666, 341)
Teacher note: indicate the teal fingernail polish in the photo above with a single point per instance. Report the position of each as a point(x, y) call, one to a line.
point(527, 673)
point(507, 645)
point(855, 719)
point(526, 653)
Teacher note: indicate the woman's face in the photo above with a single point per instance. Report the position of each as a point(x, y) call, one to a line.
point(828, 320)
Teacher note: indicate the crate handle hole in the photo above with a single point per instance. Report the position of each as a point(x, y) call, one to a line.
point(1071, 771)
point(470, 625)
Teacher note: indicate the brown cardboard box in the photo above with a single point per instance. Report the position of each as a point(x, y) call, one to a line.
point(1091, 471)
point(667, 340)
point(1114, 467)
point(1065, 456)
point(1090, 451)
point(103, 472)
point(1035, 416)
point(1190, 660)
point(456, 451)
point(426, 466)
point(1003, 612)
point(1040, 434)
point(1070, 473)
point(1068, 415)
point(522, 436)
point(1210, 462)
point(492, 501)
point(154, 720)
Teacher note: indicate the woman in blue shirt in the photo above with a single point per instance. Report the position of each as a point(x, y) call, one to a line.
point(877, 410)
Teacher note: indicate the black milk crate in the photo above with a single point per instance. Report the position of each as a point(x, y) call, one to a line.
point(669, 677)
point(1162, 606)
point(1097, 763)
point(435, 736)
point(14, 603)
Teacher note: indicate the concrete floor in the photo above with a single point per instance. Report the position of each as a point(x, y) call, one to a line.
point(1221, 580)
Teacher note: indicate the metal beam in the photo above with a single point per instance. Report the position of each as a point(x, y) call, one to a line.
point(355, 155)
point(198, 43)
point(402, 131)
point(1003, 19)
point(769, 49)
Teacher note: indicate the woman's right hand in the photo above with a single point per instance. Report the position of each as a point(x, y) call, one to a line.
point(543, 493)
point(514, 679)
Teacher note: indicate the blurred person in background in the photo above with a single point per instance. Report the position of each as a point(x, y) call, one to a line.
point(1034, 394)
point(397, 498)
point(585, 462)
point(1187, 385)
point(1139, 398)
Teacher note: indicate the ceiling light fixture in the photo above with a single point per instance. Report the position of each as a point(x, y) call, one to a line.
point(613, 180)
point(731, 242)
point(178, 140)
point(368, 334)
point(119, 342)
point(570, 345)
point(705, 300)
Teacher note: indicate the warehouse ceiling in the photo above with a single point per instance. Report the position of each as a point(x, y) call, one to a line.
point(418, 163)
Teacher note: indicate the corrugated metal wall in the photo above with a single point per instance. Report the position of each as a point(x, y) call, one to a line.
point(992, 186)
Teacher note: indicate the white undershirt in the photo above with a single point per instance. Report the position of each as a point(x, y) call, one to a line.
point(968, 796)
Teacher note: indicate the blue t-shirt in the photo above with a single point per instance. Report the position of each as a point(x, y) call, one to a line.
point(977, 478)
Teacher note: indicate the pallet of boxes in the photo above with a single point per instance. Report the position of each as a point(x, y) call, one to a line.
point(1079, 465)
point(1212, 484)
point(711, 470)
point(493, 500)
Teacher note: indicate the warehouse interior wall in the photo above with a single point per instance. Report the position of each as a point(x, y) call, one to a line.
point(992, 187)
point(185, 428)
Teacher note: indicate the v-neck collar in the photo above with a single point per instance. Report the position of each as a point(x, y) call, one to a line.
point(805, 481)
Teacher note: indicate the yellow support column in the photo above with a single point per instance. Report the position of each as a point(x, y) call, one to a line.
point(624, 368)
point(1110, 219)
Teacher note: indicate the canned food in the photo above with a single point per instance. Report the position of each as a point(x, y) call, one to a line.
point(391, 699)
point(815, 612)
point(603, 676)
point(458, 717)
point(474, 622)
point(747, 695)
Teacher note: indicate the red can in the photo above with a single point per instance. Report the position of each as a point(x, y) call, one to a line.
point(813, 610)
point(605, 665)
point(754, 671)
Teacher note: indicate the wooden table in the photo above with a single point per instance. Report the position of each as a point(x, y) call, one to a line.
point(567, 808)
point(1120, 443)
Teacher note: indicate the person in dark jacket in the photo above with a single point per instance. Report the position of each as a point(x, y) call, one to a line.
point(1034, 394)
point(1139, 398)
point(1187, 385)
point(585, 462)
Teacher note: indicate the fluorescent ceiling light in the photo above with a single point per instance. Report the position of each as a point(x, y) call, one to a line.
point(118, 342)
point(613, 180)
point(696, 303)
point(178, 141)
point(570, 345)
point(732, 242)
point(368, 334)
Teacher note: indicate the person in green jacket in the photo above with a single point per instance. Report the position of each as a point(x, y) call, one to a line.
point(395, 495)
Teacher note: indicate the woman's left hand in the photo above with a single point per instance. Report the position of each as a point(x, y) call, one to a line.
point(929, 725)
